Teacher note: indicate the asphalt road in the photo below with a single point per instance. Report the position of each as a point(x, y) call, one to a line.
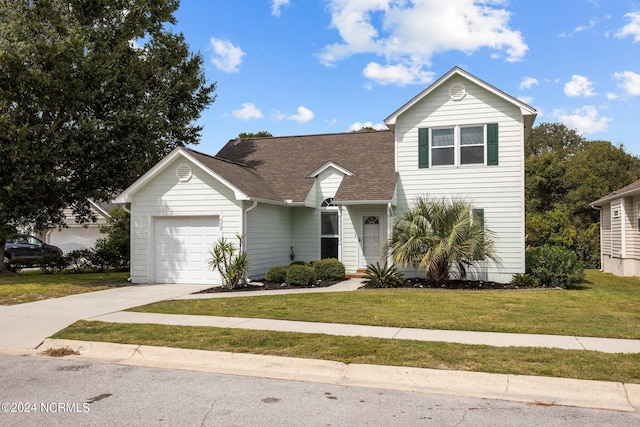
point(57, 392)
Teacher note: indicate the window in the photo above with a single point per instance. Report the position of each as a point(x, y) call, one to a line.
point(458, 145)
point(329, 235)
point(615, 213)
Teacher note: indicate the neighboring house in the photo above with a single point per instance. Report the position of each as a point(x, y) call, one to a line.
point(78, 236)
point(620, 230)
point(336, 195)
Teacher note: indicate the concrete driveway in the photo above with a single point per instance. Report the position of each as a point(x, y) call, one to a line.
point(25, 326)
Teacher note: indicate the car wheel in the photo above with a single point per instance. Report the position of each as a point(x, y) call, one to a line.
point(13, 269)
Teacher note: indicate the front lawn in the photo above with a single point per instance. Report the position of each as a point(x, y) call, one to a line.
point(549, 362)
point(33, 286)
point(604, 306)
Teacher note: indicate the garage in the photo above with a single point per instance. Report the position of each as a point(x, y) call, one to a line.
point(182, 246)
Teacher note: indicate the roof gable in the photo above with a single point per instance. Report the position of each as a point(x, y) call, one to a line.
point(194, 157)
point(527, 111)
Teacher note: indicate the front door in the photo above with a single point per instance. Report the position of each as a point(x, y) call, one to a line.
point(371, 239)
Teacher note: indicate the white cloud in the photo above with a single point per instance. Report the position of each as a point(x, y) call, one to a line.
point(611, 96)
point(528, 83)
point(357, 126)
point(629, 82)
point(411, 33)
point(579, 86)
point(396, 74)
point(247, 112)
point(632, 28)
point(592, 23)
point(276, 5)
point(585, 120)
point(304, 115)
point(226, 56)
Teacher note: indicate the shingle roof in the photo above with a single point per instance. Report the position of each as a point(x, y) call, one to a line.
point(279, 168)
point(624, 191)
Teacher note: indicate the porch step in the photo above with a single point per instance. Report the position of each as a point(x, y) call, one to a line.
point(359, 274)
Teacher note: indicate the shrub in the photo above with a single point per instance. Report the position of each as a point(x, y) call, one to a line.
point(53, 263)
point(301, 275)
point(308, 264)
point(524, 281)
point(16, 264)
point(78, 260)
point(329, 269)
point(555, 266)
point(105, 255)
point(382, 277)
point(277, 274)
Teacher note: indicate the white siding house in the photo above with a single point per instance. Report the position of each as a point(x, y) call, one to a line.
point(620, 230)
point(336, 195)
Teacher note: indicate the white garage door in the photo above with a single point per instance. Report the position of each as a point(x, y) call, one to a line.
point(182, 246)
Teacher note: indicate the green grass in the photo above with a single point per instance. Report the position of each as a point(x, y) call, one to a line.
point(511, 360)
point(604, 306)
point(33, 286)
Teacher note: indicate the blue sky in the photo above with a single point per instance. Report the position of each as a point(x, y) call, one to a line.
point(297, 67)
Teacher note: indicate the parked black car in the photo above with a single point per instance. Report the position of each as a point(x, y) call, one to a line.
point(28, 248)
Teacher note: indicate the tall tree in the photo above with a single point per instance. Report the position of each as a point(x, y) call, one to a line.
point(92, 93)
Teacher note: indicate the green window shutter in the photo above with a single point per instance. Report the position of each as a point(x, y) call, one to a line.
point(492, 144)
point(423, 147)
point(477, 217)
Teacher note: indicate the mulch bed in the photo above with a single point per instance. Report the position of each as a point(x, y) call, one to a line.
point(414, 283)
point(267, 286)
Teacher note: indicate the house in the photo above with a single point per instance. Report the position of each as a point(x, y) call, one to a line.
point(75, 235)
point(336, 195)
point(620, 230)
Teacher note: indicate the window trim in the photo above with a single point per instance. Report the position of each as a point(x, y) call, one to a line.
point(457, 145)
point(327, 207)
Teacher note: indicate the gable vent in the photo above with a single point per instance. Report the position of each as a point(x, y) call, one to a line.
point(457, 92)
point(183, 172)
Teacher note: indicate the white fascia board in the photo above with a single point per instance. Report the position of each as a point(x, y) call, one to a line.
point(364, 202)
point(125, 196)
point(99, 209)
point(328, 165)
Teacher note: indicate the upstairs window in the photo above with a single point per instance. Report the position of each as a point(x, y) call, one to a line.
point(458, 145)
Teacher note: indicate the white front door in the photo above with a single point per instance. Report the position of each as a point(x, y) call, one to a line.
point(371, 240)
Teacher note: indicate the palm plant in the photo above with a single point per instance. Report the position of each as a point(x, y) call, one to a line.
point(230, 260)
point(436, 235)
point(382, 277)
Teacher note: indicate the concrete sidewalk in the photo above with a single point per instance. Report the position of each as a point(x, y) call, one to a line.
point(605, 345)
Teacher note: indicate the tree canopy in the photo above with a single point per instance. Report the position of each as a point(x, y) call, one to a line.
point(250, 135)
point(564, 173)
point(92, 94)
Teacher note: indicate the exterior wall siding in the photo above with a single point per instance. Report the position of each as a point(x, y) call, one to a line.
point(616, 229)
point(165, 195)
point(268, 238)
point(499, 190)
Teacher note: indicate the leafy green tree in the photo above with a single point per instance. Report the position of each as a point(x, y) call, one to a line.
point(92, 94)
point(436, 235)
point(250, 135)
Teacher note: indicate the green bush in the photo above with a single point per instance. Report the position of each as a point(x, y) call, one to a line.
point(277, 274)
point(53, 263)
point(382, 277)
point(555, 266)
point(524, 281)
point(328, 269)
point(301, 275)
point(78, 260)
point(308, 264)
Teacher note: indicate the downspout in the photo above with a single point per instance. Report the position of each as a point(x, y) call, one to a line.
point(599, 209)
point(244, 230)
point(389, 231)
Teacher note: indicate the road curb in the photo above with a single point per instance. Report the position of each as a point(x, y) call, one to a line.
point(518, 388)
